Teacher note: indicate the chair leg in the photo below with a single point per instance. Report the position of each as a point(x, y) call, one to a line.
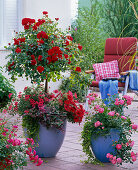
point(126, 85)
point(86, 103)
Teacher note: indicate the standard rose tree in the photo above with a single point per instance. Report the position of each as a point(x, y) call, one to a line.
point(42, 51)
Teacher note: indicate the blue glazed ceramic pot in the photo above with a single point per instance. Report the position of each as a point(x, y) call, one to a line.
point(50, 140)
point(102, 145)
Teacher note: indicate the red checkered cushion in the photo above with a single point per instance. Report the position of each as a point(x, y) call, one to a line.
point(106, 70)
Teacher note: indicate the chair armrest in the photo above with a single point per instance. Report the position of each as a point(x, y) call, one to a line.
point(90, 71)
point(124, 73)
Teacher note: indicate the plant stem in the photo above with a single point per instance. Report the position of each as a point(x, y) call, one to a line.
point(46, 86)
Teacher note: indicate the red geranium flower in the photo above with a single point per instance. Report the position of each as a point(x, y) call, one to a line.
point(78, 69)
point(18, 50)
point(79, 47)
point(40, 69)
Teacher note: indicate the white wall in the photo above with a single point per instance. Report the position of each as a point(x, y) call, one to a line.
point(56, 9)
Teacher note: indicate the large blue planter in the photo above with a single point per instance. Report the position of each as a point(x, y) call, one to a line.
point(50, 140)
point(102, 145)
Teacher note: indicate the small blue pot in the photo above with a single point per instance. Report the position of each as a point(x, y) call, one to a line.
point(102, 145)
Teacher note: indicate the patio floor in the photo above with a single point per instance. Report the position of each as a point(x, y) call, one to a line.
point(70, 155)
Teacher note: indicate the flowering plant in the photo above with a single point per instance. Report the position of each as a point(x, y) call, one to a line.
point(13, 151)
point(35, 106)
point(101, 120)
point(42, 51)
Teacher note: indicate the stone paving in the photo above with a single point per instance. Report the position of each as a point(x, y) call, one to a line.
point(70, 155)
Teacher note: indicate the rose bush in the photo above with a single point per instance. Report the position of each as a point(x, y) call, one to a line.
point(35, 106)
point(101, 120)
point(42, 51)
point(13, 151)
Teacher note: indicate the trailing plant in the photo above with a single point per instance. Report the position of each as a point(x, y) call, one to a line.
point(100, 120)
point(87, 31)
point(7, 91)
point(41, 51)
point(51, 110)
point(119, 18)
point(77, 83)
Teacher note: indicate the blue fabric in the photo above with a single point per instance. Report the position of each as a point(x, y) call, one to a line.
point(108, 87)
point(133, 80)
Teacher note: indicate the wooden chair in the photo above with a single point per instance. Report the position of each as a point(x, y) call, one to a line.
point(124, 51)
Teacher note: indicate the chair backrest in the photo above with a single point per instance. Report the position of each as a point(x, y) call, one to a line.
point(123, 50)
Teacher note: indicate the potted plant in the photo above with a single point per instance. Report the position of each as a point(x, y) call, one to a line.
point(45, 115)
point(7, 91)
point(42, 51)
point(107, 131)
point(13, 151)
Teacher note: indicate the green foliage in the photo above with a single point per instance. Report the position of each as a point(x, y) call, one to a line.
point(77, 83)
point(87, 31)
point(119, 18)
point(5, 89)
point(101, 119)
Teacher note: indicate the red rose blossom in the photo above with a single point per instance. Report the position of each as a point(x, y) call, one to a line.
point(45, 12)
point(40, 69)
point(78, 69)
point(18, 50)
point(33, 62)
point(40, 58)
point(70, 38)
point(56, 19)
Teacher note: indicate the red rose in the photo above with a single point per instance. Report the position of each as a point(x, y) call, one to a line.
point(40, 42)
point(56, 19)
point(22, 39)
point(18, 50)
point(40, 69)
point(32, 57)
point(26, 27)
point(67, 42)
point(42, 34)
point(66, 56)
point(33, 62)
point(70, 38)
point(40, 58)
point(34, 27)
point(79, 47)
point(16, 42)
point(45, 12)
point(78, 69)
